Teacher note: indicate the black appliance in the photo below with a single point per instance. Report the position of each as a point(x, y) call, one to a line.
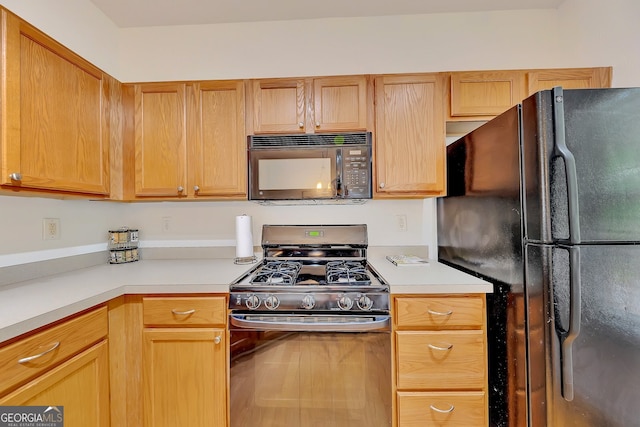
point(544, 202)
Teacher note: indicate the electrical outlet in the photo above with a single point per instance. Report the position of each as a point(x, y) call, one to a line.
point(51, 228)
point(401, 222)
point(166, 223)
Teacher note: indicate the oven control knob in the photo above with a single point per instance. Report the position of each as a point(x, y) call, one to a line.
point(272, 302)
point(308, 302)
point(364, 302)
point(252, 302)
point(345, 303)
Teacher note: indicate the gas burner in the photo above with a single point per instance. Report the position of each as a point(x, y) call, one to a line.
point(277, 273)
point(347, 273)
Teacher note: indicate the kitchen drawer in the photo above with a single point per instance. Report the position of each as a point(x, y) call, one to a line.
point(439, 360)
point(50, 347)
point(440, 312)
point(442, 409)
point(184, 311)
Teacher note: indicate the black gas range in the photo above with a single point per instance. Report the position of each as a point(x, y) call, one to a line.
point(312, 269)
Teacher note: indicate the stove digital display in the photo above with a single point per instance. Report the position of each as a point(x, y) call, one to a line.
point(314, 233)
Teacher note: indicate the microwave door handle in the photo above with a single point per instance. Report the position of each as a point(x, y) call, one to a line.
point(338, 184)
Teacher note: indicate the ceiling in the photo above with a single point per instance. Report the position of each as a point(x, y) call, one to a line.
point(146, 13)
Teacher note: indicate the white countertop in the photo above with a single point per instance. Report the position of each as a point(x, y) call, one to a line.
point(31, 304)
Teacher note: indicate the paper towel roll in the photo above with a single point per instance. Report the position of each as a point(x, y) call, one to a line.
point(244, 237)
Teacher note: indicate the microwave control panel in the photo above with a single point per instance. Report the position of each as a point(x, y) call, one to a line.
point(356, 172)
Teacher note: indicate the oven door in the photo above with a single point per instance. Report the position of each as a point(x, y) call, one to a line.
point(310, 370)
point(294, 173)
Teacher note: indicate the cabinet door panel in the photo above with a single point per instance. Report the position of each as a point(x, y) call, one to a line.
point(409, 136)
point(160, 140)
point(485, 93)
point(80, 385)
point(340, 103)
point(53, 115)
point(574, 78)
point(219, 160)
point(184, 377)
point(279, 106)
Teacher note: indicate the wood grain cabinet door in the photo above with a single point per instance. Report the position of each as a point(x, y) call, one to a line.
point(569, 78)
point(184, 377)
point(160, 140)
point(410, 138)
point(279, 106)
point(54, 108)
point(80, 385)
point(481, 95)
point(217, 142)
point(340, 103)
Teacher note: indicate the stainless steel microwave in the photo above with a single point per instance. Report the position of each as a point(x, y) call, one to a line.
point(310, 166)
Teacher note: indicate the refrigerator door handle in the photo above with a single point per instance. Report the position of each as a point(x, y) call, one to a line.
point(574, 323)
point(560, 149)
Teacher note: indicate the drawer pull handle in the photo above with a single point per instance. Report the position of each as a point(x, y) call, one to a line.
point(435, 347)
point(443, 411)
point(217, 340)
point(36, 356)
point(440, 313)
point(183, 313)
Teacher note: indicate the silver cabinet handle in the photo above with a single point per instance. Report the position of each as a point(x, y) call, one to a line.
point(183, 313)
point(440, 313)
point(317, 124)
point(435, 347)
point(180, 189)
point(196, 188)
point(300, 125)
point(443, 411)
point(217, 340)
point(382, 185)
point(34, 357)
point(15, 176)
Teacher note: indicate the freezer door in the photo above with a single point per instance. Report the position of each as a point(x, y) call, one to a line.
point(593, 333)
point(581, 165)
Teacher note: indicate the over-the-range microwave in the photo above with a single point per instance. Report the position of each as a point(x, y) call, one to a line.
point(310, 167)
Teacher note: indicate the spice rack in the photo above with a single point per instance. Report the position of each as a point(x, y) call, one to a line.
point(123, 245)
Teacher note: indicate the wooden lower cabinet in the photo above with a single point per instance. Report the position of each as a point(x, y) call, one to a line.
point(80, 385)
point(184, 376)
point(184, 360)
point(451, 409)
point(440, 360)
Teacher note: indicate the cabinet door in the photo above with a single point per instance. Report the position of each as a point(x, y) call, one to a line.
point(570, 78)
point(279, 106)
point(478, 95)
point(218, 155)
point(160, 140)
point(410, 138)
point(184, 377)
point(54, 132)
point(340, 103)
point(80, 385)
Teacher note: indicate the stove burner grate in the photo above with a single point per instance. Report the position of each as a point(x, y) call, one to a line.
point(277, 273)
point(347, 272)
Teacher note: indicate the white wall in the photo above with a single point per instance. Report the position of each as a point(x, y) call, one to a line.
point(579, 33)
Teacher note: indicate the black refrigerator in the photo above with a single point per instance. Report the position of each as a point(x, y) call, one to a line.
point(544, 202)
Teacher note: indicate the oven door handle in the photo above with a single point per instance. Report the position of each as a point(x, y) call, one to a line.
point(289, 323)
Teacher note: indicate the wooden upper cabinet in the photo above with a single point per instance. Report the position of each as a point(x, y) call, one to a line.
point(410, 137)
point(189, 140)
point(326, 104)
point(160, 139)
point(569, 78)
point(54, 113)
point(217, 141)
point(481, 95)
